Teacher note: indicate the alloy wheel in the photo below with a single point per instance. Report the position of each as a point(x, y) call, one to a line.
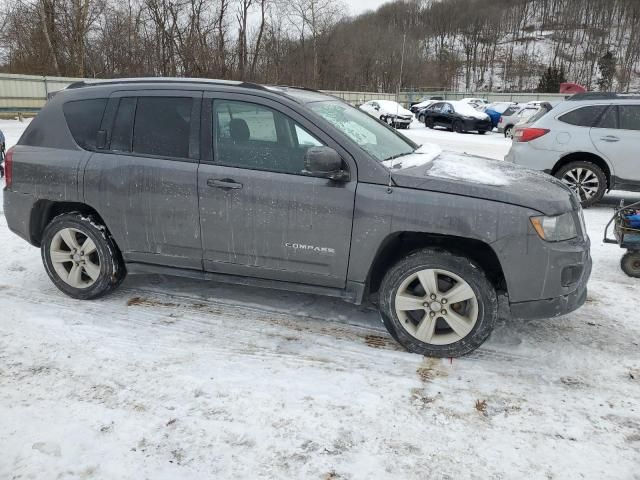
point(75, 258)
point(583, 182)
point(436, 306)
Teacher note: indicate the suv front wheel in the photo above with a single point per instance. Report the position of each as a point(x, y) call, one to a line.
point(586, 179)
point(80, 256)
point(438, 304)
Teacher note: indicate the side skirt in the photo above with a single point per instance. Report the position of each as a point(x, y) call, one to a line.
point(353, 293)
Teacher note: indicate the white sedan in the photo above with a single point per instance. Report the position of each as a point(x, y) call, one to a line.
point(390, 112)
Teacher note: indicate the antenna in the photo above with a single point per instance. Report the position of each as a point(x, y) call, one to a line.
point(404, 41)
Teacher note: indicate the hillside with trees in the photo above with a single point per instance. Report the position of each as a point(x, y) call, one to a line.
point(474, 45)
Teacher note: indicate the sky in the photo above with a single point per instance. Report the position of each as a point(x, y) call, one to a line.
point(359, 6)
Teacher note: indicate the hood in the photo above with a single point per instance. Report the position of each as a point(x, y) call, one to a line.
point(478, 177)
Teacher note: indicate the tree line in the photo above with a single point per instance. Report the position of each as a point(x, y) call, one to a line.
point(471, 45)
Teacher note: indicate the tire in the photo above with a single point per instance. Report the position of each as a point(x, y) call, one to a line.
point(457, 127)
point(389, 121)
point(586, 179)
point(482, 132)
point(478, 313)
point(422, 118)
point(630, 263)
point(508, 132)
point(89, 274)
point(429, 123)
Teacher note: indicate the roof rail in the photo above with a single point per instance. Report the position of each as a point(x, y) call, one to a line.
point(602, 96)
point(124, 81)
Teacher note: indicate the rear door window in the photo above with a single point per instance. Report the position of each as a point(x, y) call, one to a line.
point(162, 126)
point(609, 119)
point(629, 117)
point(84, 118)
point(584, 116)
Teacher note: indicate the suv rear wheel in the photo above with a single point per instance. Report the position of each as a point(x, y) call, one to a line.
point(80, 256)
point(586, 179)
point(438, 304)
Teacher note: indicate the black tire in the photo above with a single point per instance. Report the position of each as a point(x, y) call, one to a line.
point(429, 123)
point(422, 118)
point(111, 265)
point(508, 132)
point(482, 132)
point(483, 290)
point(457, 127)
point(596, 170)
point(630, 263)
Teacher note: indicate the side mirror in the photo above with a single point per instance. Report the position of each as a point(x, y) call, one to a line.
point(377, 109)
point(325, 162)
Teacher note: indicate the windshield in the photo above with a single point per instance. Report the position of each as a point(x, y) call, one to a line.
point(375, 138)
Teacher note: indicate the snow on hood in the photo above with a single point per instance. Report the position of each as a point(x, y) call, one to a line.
point(471, 169)
point(468, 111)
point(421, 156)
point(394, 108)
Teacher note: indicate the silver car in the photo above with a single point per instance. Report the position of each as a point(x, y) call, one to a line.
point(590, 142)
point(514, 115)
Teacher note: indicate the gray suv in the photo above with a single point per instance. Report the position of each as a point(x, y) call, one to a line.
point(589, 142)
point(293, 189)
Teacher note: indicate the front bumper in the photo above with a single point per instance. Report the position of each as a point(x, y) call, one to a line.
point(554, 307)
point(479, 125)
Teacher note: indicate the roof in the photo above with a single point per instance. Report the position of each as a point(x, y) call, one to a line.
point(603, 96)
point(300, 94)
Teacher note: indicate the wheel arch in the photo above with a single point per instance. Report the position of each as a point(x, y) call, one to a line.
point(44, 211)
point(586, 157)
point(400, 244)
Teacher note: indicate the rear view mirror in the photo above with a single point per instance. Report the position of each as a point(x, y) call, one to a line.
point(325, 162)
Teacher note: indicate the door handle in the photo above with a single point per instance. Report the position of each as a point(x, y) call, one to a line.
point(224, 183)
point(610, 138)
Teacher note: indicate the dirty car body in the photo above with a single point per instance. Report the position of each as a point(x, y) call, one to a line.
point(251, 194)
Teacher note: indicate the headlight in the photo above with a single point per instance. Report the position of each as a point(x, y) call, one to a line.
point(555, 229)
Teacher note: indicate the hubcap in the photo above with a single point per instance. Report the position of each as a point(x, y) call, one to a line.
point(583, 182)
point(75, 258)
point(436, 306)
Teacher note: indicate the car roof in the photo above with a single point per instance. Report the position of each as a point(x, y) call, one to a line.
point(298, 94)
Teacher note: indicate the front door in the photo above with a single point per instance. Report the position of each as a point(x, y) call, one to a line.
point(144, 179)
point(261, 214)
point(617, 137)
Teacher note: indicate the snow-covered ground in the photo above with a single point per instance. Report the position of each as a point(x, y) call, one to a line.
point(177, 379)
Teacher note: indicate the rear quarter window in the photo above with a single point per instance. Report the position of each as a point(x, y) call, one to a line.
point(84, 118)
point(584, 116)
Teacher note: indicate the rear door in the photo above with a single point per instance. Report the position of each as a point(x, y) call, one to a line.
point(261, 215)
point(143, 181)
point(617, 137)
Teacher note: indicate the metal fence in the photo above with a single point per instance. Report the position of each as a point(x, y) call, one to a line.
point(28, 93)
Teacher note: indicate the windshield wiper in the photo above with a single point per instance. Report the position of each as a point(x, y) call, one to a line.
point(393, 157)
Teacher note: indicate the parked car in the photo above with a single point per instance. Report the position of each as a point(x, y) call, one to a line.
point(458, 116)
point(390, 112)
point(515, 115)
point(417, 107)
point(475, 102)
point(495, 111)
point(293, 189)
point(589, 142)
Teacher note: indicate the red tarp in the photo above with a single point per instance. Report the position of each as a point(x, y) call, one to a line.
point(571, 88)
